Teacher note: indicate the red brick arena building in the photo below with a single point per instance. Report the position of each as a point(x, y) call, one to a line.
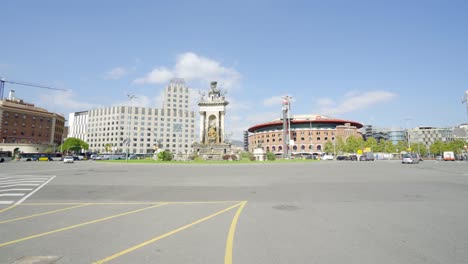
point(309, 133)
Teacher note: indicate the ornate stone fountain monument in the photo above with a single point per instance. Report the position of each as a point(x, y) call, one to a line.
point(212, 111)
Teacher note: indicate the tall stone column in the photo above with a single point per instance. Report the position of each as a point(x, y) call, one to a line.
point(202, 127)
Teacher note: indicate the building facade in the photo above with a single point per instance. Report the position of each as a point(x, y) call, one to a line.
point(429, 135)
point(78, 125)
point(142, 129)
point(309, 133)
point(25, 124)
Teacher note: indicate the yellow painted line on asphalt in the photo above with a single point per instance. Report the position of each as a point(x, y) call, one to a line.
point(135, 203)
point(232, 231)
point(170, 233)
point(8, 208)
point(45, 213)
point(77, 225)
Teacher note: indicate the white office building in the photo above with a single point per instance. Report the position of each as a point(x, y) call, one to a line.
point(429, 135)
point(140, 130)
point(78, 125)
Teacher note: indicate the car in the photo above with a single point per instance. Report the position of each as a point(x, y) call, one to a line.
point(410, 158)
point(68, 159)
point(439, 158)
point(327, 157)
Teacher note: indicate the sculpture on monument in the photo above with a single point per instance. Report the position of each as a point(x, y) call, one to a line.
point(212, 130)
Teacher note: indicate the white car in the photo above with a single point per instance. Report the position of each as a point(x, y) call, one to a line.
point(68, 159)
point(327, 157)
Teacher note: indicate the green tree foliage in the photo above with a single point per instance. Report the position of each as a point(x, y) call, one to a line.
point(401, 146)
point(328, 147)
point(48, 150)
point(73, 144)
point(353, 144)
point(165, 155)
point(371, 143)
point(270, 155)
point(438, 147)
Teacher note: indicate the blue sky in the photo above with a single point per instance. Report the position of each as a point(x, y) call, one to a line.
point(386, 63)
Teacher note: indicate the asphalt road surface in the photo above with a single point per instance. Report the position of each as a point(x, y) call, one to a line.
point(317, 212)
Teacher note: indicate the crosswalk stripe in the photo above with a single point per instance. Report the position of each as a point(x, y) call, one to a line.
point(6, 202)
point(22, 184)
point(24, 179)
point(11, 194)
point(16, 190)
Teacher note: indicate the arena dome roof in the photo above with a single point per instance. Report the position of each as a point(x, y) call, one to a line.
point(306, 119)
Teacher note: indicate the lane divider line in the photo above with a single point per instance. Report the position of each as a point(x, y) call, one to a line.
point(77, 225)
point(232, 231)
point(132, 203)
point(45, 213)
point(170, 233)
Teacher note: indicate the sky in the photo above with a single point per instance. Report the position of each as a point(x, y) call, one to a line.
point(381, 63)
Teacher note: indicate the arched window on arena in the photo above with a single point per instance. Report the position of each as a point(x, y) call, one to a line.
point(273, 148)
point(319, 148)
point(311, 147)
point(326, 138)
point(280, 148)
point(268, 148)
point(318, 138)
point(280, 140)
point(302, 147)
point(294, 148)
point(273, 140)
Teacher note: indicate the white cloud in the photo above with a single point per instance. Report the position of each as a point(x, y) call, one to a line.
point(116, 73)
point(354, 101)
point(274, 100)
point(193, 67)
point(63, 102)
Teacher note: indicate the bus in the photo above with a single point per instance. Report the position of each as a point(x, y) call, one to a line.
point(40, 156)
point(5, 156)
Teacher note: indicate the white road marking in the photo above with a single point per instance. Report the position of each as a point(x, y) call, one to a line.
point(23, 184)
point(12, 194)
point(16, 190)
point(6, 202)
point(21, 181)
point(24, 179)
point(31, 193)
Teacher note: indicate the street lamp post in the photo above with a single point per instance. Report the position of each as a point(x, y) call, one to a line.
point(130, 99)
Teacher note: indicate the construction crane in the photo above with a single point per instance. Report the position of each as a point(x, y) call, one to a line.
point(3, 81)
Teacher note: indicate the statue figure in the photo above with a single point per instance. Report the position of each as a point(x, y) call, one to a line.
point(212, 135)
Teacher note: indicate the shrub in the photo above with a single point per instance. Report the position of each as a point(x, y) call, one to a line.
point(165, 155)
point(245, 155)
point(233, 157)
point(226, 157)
point(252, 158)
point(270, 155)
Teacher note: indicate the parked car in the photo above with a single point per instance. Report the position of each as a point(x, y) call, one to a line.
point(410, 158)
point(68, 159)
point(327, 157)
point(439, 158)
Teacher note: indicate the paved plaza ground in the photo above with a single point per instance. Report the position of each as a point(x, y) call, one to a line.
point(315, 212)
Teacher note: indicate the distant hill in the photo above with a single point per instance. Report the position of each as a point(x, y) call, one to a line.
point(239, 143)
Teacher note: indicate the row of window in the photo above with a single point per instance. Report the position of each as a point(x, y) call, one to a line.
point(295, 148)
point(22, 133)
point(137, 110)
point(294, 138)
point(24, 116)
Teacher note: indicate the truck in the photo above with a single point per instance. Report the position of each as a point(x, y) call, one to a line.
point(449, 155)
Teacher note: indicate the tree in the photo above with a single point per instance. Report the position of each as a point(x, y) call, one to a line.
point(73, 144)
point(353, 144)
point(328, 147)
point(270, 155)
point(371, 143)
point(438, 147)
point(401, 146)
point(165, 155)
